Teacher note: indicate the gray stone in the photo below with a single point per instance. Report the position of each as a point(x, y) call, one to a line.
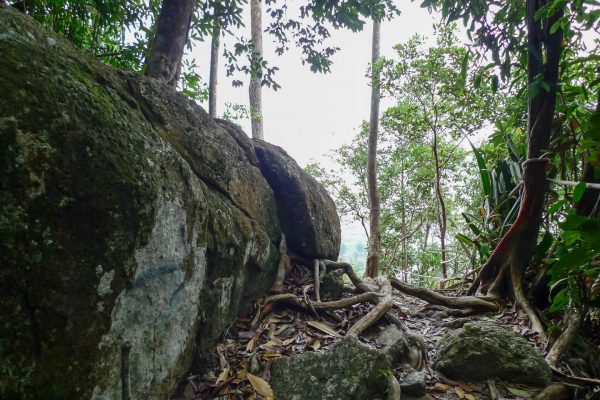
point(307, 213)
point(479, 351)
point(349, 370)
point(395, 345)
point(414, 384)
point(333, 284)
point(126, 214)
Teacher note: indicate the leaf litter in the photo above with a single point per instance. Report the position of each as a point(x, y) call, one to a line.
point(266, 332)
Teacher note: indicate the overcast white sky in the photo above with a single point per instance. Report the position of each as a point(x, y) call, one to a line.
point(314, 113)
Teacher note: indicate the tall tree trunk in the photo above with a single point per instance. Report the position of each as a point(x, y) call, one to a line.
point(424, 248)
point(214, 64)
point(256, 114)
point(372, 269)
point(442, 220)
point(513, 254)
point(171, 33)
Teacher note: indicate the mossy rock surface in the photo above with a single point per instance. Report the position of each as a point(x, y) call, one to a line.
point(483, 350)
point(126, 214)
point(350, 370)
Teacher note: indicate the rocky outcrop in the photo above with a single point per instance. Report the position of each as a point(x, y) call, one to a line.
point(395, 346)
point(126, 215)
point(350, 370)
point(307, 214)
point(482, 350)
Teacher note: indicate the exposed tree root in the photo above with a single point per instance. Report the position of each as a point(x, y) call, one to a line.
point(572, 323)
point(376, 313)
point(360, 285)
point(450, 312)
point(474, 303)
point(394, 392)
point(377, 292)
point(523, 301)
point(494, 393)
point(295, 301)
point(577, 380)
point(317, 274)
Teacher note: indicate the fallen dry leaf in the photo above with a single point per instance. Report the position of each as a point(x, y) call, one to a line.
point(323, 327)
point(251, 344)
point(261, 386)
point(460, 392)
point(270, 355)
point(223, 375)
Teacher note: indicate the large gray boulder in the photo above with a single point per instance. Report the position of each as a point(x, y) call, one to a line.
point(482, 350)
point(307, 213)
point(126, 215)
point(349, 370)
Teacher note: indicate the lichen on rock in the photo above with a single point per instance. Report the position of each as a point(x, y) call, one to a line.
point(482, 350)
point(350, 370)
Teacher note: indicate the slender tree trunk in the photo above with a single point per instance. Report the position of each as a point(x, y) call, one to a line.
point(256, 114)
point(404, 227)
point(214, 64)
point(513, 254)
point(372, 269)
point(438, 193)
point(171, 33)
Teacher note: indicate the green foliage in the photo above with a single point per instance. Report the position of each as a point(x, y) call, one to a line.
point(575, 262)
point(115, 31)
point(432, 105)
point(235, 113)
point(119, 32)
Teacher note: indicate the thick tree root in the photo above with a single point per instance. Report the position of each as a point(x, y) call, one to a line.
point(572, 323)
point(376, 313)
point(296, 301)
point(494, 393)
point(523, 302)
point(377, 292)
point(577, 380)
point(472, 303)
point(317, 273)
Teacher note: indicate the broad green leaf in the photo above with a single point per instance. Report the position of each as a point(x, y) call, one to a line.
point(556, 206)
point(578, 192)
point(483, 171)
point(464, 239)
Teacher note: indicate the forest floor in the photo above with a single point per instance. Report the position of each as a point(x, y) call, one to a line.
point(268, 331)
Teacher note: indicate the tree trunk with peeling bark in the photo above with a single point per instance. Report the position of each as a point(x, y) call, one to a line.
point(372, 269)
point(171, 34)
point(255, 89)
